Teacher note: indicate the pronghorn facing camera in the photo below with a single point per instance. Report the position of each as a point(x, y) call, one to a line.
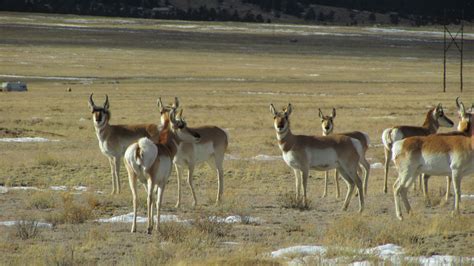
point(151, 163)
point(303, 153)
point(210, 149)
point(449, 154)
point(327, 124)
point(114, 139)
point(435, 118)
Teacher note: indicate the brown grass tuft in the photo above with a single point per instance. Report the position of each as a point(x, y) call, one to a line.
point(289, 201)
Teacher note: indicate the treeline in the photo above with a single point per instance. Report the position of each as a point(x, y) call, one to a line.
point(421, 11)
point(160, 9)
point(434, 11)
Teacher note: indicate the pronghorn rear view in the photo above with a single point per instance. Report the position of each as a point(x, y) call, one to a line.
point(303, 153)
point(435, 118)
point(449, 154)
point(114, 139)
point(152, 163)
point(327, 124)
point(210, 149)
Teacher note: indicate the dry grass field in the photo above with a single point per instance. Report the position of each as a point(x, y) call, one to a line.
point(225, 74)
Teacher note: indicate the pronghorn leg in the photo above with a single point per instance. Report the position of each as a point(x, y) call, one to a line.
point(336, 180)
point(305, 185)
point(366, 169)
point(448, 187)
point(149, 203)
point(396, 198)
point(297, 183)
point(456, 177)
point(424, 187)
point(325, 193)
point(117, 173)
point(132, 179)
point(350, 188)
point(159, 200)
point(388, 155)
point(220, 180)
point(112, 172)
point(179, 173)
point(190, 183)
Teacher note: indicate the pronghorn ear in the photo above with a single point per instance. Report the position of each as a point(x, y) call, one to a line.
point(288, 110)
point(333, 112)
point(460, 105)
point(272, 110)
point(176, 102)
point(160, 104)
point(106, 103)
point(91, 103)
point(320, 113)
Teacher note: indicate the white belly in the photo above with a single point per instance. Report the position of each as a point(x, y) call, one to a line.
point(322, 160)
point(193, 153)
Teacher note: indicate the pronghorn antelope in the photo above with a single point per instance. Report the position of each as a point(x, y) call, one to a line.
point(211, 149)
point(462, 127)
point(114, 139)
point(303, 153)
point(450, 154)
point(151, 163)
point(435, 118)
point(327, 124)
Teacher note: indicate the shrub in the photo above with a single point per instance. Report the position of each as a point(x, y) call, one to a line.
point(70, 212)
point(40, 200)
point(26, 229)
point(289, 201)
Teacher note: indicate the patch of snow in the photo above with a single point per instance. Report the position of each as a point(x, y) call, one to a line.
point(376, 166)
point(12, 223)
point(80, 188)
point(58, 188)
point(82, 119)
point(231, 157)
point(234, 219)
point(48, 77)
point(26, 139)
point(465, 196)
point(128, 218)
point(263, 157)
point(383, 117)
point(299, 250)
point(313, 75)
point(388, 252)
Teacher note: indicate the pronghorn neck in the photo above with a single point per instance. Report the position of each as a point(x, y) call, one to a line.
point(102, 131)
point(168, 138)
point(430, 123)
point(285, 139)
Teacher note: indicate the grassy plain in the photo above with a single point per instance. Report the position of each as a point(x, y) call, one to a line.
point(225, 74)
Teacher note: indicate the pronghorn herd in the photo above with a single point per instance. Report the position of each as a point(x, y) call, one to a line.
point(149, 152)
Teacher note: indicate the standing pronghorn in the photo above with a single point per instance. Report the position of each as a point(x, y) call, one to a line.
point(435, 118)
point(450, 154)
point(151, 163)
point(303, 153)
point(114, 139)
point(211, 149)
point(327, 124)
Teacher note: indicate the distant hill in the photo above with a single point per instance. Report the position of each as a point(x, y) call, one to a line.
point(339, 12)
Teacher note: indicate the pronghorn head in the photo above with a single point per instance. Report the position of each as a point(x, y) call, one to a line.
point(281, 120)
point(100, 115)
point(441, 118)
point(327, 121)
point(166, 109)
point(180, 127)
point(464, 117)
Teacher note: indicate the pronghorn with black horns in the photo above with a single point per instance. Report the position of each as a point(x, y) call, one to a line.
point(114, 139)
point(435, 118)
point(450, 154)
point(151, 163)
point(303, 153)
point(210, 149)
point(327, 125)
